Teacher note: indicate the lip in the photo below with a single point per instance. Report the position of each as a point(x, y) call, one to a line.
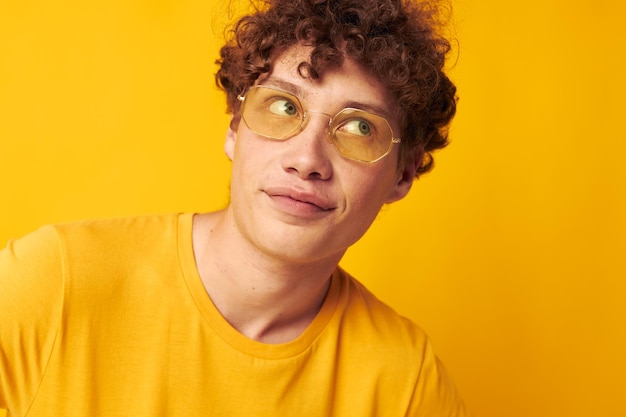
point(298, 200)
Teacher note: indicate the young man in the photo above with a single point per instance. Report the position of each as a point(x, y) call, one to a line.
point(244, 312)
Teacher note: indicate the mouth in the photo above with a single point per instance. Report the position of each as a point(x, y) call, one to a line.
point(300, 201)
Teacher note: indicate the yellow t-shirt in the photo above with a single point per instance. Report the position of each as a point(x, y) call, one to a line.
point(110, 318)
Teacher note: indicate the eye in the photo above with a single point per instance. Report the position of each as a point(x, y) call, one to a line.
point(283, 107)
point(357, 127)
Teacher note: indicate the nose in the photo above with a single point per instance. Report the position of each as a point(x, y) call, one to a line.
point(307, 154)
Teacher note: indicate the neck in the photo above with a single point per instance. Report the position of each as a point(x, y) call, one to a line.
point(265, 297)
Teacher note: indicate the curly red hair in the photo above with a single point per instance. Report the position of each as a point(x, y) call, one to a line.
point(398, 41)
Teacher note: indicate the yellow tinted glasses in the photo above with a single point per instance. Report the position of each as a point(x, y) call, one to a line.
point(356, 134)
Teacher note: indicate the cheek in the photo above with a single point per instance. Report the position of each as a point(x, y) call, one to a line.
point(370, 192)
point(250, 148)
point(243, 169)
point(381, 180)
point(247, 153)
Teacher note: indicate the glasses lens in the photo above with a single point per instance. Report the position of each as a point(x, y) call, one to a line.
point(360, 135)
point(356, 134)
point(272, 113)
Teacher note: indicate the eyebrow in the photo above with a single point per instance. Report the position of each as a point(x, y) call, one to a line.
point(370, 108)
point(297, 91)
point(286, 86)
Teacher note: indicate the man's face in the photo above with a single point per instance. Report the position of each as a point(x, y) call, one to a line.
point(299, 199)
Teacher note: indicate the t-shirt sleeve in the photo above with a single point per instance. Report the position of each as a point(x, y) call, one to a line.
point(31, 302)
point(435, 393)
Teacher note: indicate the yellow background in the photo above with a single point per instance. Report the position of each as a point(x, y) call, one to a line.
point(511, 254)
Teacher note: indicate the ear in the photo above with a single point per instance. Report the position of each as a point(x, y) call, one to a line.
point(231, 135)
point(406, 174)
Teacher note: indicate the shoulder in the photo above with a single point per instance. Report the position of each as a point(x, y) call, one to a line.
point(31, 265)
point(51, 243)
point(42, 243)
point(111, 236)
point(52, 253)
point(111, 250)
point(399, 356)
point(95, 253)
point(374, 322)
point(119, 228)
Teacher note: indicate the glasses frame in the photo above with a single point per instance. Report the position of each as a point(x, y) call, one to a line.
point(330, 133)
